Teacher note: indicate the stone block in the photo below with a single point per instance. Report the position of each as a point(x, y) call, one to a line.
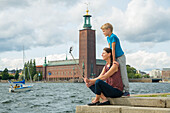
point(139, 101)
point(144, 110)
point(168, 103)
point(98, 109)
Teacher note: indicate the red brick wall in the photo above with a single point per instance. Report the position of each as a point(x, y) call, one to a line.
point(99, 69)
point(61, 72)
point(166, 74)
point(87, 51)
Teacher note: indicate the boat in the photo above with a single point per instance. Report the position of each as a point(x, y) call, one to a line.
point(19, 86)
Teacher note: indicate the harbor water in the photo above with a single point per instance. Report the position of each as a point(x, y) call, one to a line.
point(61, 97)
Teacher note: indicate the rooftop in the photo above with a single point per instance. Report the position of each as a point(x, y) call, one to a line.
point(166, 69)
point(72, 62)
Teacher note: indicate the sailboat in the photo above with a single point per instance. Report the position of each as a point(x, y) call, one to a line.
point(20, 86)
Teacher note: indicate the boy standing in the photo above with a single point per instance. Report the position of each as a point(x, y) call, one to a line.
point(118, 54)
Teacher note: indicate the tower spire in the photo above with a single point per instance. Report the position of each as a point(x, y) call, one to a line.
point(87, 8)
point(87, 24)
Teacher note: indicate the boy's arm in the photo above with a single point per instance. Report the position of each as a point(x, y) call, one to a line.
point(113, 51)
point(109, 45)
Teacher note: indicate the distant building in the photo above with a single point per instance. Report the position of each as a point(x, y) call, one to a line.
point(140, 72)
point(86, 65)
point(39, 68)
point(166, 73)
point(156, 73)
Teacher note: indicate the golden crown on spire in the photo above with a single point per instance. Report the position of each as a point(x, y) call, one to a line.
point(87, 12)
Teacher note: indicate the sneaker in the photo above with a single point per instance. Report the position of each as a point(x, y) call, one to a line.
point(126, 94)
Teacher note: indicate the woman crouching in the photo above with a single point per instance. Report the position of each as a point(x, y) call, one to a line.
point(113, 86)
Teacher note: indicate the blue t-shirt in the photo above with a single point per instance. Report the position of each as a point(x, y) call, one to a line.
point(118, 50)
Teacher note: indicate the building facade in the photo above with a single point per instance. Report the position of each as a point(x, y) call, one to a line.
point(87, 65)
point(156, 73)
point(166, 73)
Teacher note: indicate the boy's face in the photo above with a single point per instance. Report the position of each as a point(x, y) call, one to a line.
point(106, 32)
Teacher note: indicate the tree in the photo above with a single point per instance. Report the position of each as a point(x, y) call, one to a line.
point(11, 77)
point(21, 77)
point(35, 77)
point(34, 68)
point(17, 75)
point(131, 75)
point(0, 77)
point(131, 71)
point(146, 76)
point(5, 74)
point(137, 76)
point(31, 69)
point(26, 71)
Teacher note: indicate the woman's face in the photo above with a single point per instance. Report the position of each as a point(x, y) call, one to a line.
point(105, 55)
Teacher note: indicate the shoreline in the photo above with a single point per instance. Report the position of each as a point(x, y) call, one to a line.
point(6, 81)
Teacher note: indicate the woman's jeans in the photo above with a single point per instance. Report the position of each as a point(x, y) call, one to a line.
point(107, 90)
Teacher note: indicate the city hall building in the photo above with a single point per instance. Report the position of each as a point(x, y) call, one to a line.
point(87, 64)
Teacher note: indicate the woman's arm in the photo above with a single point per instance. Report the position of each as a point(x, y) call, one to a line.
point(112, 70)
point(92, 81)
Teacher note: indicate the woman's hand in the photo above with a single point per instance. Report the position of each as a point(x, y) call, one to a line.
point(88, 84)
point(86, 80)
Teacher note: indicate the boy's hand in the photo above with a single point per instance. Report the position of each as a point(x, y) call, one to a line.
point(115, 62)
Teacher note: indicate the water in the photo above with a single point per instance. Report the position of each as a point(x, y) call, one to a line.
point(61, 97)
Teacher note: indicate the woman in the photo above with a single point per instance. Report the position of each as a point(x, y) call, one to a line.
point(113, 86)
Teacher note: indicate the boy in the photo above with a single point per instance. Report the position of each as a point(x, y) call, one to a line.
point(118, 54)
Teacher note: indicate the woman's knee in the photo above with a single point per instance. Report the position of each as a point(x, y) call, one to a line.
point(98, 81)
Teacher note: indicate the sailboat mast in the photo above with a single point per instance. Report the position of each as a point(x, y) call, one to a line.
point(23, 62)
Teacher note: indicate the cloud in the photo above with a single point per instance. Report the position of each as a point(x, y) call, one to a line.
point(18, 63)
point(147, 61)
point(11, 63)
point(6, 4)
point(142, 21)
point(39, 24)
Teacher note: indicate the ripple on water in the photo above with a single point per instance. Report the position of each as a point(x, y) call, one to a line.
point(7, 101)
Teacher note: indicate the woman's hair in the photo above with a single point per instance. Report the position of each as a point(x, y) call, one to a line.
point(108, 50)
point(106, 26)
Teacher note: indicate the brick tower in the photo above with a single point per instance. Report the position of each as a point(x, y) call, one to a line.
point(87, 48)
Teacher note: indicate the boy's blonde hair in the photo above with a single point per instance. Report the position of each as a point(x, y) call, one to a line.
point(106, 26)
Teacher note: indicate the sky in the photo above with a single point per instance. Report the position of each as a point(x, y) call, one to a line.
point(49, 27)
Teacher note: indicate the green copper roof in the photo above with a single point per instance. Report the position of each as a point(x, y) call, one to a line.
point(72, 62)
point(63, 62)
point(100, 62)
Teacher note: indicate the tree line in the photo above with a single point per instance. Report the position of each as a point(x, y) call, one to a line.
point(132, 73)
point(29, 71)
